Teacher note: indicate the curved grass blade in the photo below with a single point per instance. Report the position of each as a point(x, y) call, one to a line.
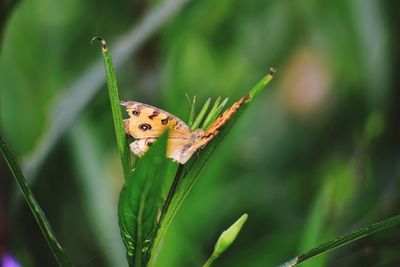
point(116, 108)
point(58, 252)
point(187, 175)
point(343, 240)
point(140, 201)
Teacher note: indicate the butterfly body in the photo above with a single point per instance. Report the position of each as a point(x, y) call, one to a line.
point(146, 123)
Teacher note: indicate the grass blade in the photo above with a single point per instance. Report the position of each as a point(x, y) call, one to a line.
point(140, 201)
point(187, 176)
point(200, 117)
point(192, 109)
point(116, 109)
point(343, 240)
point(215, 111)
point(58, 252)
point(212, 112)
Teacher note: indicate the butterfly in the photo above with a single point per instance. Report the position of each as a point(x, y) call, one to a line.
point(146, 123)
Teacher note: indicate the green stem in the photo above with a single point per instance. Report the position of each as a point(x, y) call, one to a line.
point(352, 236)
point(343, 240)
point(179, 174)
point(210, 261)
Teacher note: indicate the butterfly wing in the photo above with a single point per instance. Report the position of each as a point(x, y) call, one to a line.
point(140, 146)
point(176, 149)
point(146, 123)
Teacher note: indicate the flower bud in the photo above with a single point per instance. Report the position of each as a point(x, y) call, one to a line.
point(228, 236)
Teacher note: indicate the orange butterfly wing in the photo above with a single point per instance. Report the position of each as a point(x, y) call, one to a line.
point(146, 121)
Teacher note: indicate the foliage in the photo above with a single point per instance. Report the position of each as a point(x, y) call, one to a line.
point(314, 156)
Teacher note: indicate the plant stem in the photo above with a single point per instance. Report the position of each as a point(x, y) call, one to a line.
point(343, 240)
point(179, 174)
point(210, 261)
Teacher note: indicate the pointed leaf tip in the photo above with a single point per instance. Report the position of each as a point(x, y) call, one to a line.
point(272, 72)
point(101, 40)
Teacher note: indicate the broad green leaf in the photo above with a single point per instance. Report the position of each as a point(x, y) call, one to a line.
point(140, 201)
point(58, 252)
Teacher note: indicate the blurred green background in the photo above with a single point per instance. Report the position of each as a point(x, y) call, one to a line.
point(316, 155)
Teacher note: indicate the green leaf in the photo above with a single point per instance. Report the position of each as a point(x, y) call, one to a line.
point(58, 252)
point(342, 240)
point(116, 108)
point(140, 202)
point(189, 173)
